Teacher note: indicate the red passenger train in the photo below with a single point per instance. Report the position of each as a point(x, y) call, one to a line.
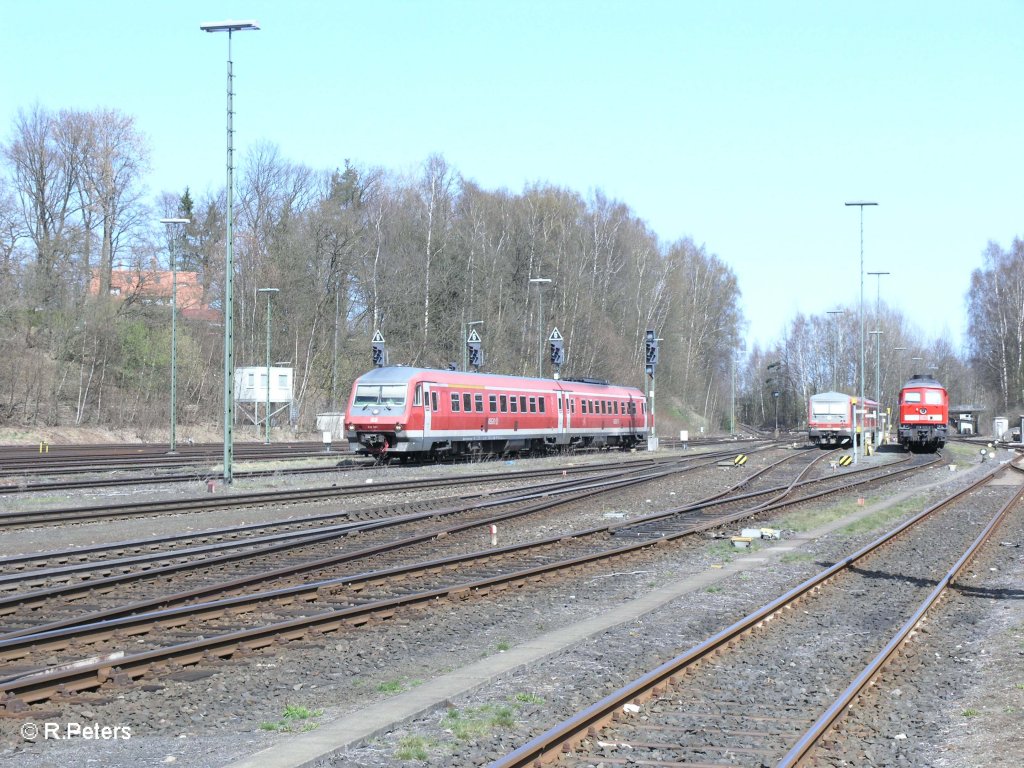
point(924, 415)
point(424, 412)
point(830, 420)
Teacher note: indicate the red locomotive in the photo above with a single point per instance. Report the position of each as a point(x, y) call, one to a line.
point(830, 420)
point(424, 412)
point(924, 415)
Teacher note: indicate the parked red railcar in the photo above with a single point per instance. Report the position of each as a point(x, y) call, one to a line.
point(924, 415)
point(424, 412)
point(830, 420)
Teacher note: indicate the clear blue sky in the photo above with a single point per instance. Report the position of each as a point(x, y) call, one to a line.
point(744, 125)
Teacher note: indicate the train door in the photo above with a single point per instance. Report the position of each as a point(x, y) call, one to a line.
point(428, 395)
point(563, 415)
point(631, 407)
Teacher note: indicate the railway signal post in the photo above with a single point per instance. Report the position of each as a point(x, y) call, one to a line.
point(379, 352)
point(556, 342)
point(651, 358)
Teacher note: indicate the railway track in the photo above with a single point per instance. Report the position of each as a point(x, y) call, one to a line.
point(18, 461)
point(325, 604)
point(767, 689)
point(193, 504)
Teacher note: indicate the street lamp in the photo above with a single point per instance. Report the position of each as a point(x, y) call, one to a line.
point(878, 322)
point(861, 204)
point(878, 362)
point(835, 359)
point(174, 332)
point(540, 282)
point(899, 369)
point(229, 261)
point(268, 291)
point(465, 341)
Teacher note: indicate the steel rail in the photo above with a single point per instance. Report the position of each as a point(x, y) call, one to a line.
point(822, 725)
point(37, 687)
point(548, 498)
point(564, 735)
point(201, 503)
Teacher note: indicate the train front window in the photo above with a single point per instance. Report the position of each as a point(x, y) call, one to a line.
point(387, 395)
point(911, 397)
point(932, 397)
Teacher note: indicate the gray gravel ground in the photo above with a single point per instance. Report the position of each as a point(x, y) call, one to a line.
point(229, 714)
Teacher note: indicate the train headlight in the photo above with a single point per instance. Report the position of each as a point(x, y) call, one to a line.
point(399, 427)
point(351, 427)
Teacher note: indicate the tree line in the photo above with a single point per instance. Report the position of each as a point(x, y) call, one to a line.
point(418, 256)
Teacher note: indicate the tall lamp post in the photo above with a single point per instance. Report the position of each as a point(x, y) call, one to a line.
point(899, 369)
point(861, 204)
point(540, 282)
point(229, 261)
point(835, 359)
point(269, 292)
point(878, 338)
point(173, 448)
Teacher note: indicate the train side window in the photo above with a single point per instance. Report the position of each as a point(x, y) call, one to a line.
point(632, 408)
point(504, 403)
point(572, 405)
point(540, 403)
point(492, 403)
point(455, 402)
point(522, 403)
point(513, 404)
point(478, 403)
point(417, 398)
point(533, 405)
point(583, 406)
point(467, 402)
point(433, 401)
point(559, 403)
point(616, 404)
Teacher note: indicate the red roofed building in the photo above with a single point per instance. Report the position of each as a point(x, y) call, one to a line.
point(153, 286)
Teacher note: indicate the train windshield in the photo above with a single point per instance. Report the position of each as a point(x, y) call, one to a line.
point(390, 395)
point(829, 408)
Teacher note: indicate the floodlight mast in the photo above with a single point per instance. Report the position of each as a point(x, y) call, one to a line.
point(229, 26)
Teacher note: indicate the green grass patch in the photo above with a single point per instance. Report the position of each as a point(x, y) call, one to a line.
point(970, 712)
point(294, 719)
point(391, 686)
point(504, 645)
point(883, 518)
point(413, 748)
point(809, 519)
point(714, 589)
point(527, 698)
point(723, 550)
point(477, 722)
point(795, 557)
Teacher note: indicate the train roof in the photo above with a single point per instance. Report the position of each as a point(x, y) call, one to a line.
point(922, 380)
point(401, 374)
point(822, 397)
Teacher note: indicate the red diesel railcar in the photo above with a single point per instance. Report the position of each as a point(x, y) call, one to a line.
point(424, 412)
point(924, 415)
